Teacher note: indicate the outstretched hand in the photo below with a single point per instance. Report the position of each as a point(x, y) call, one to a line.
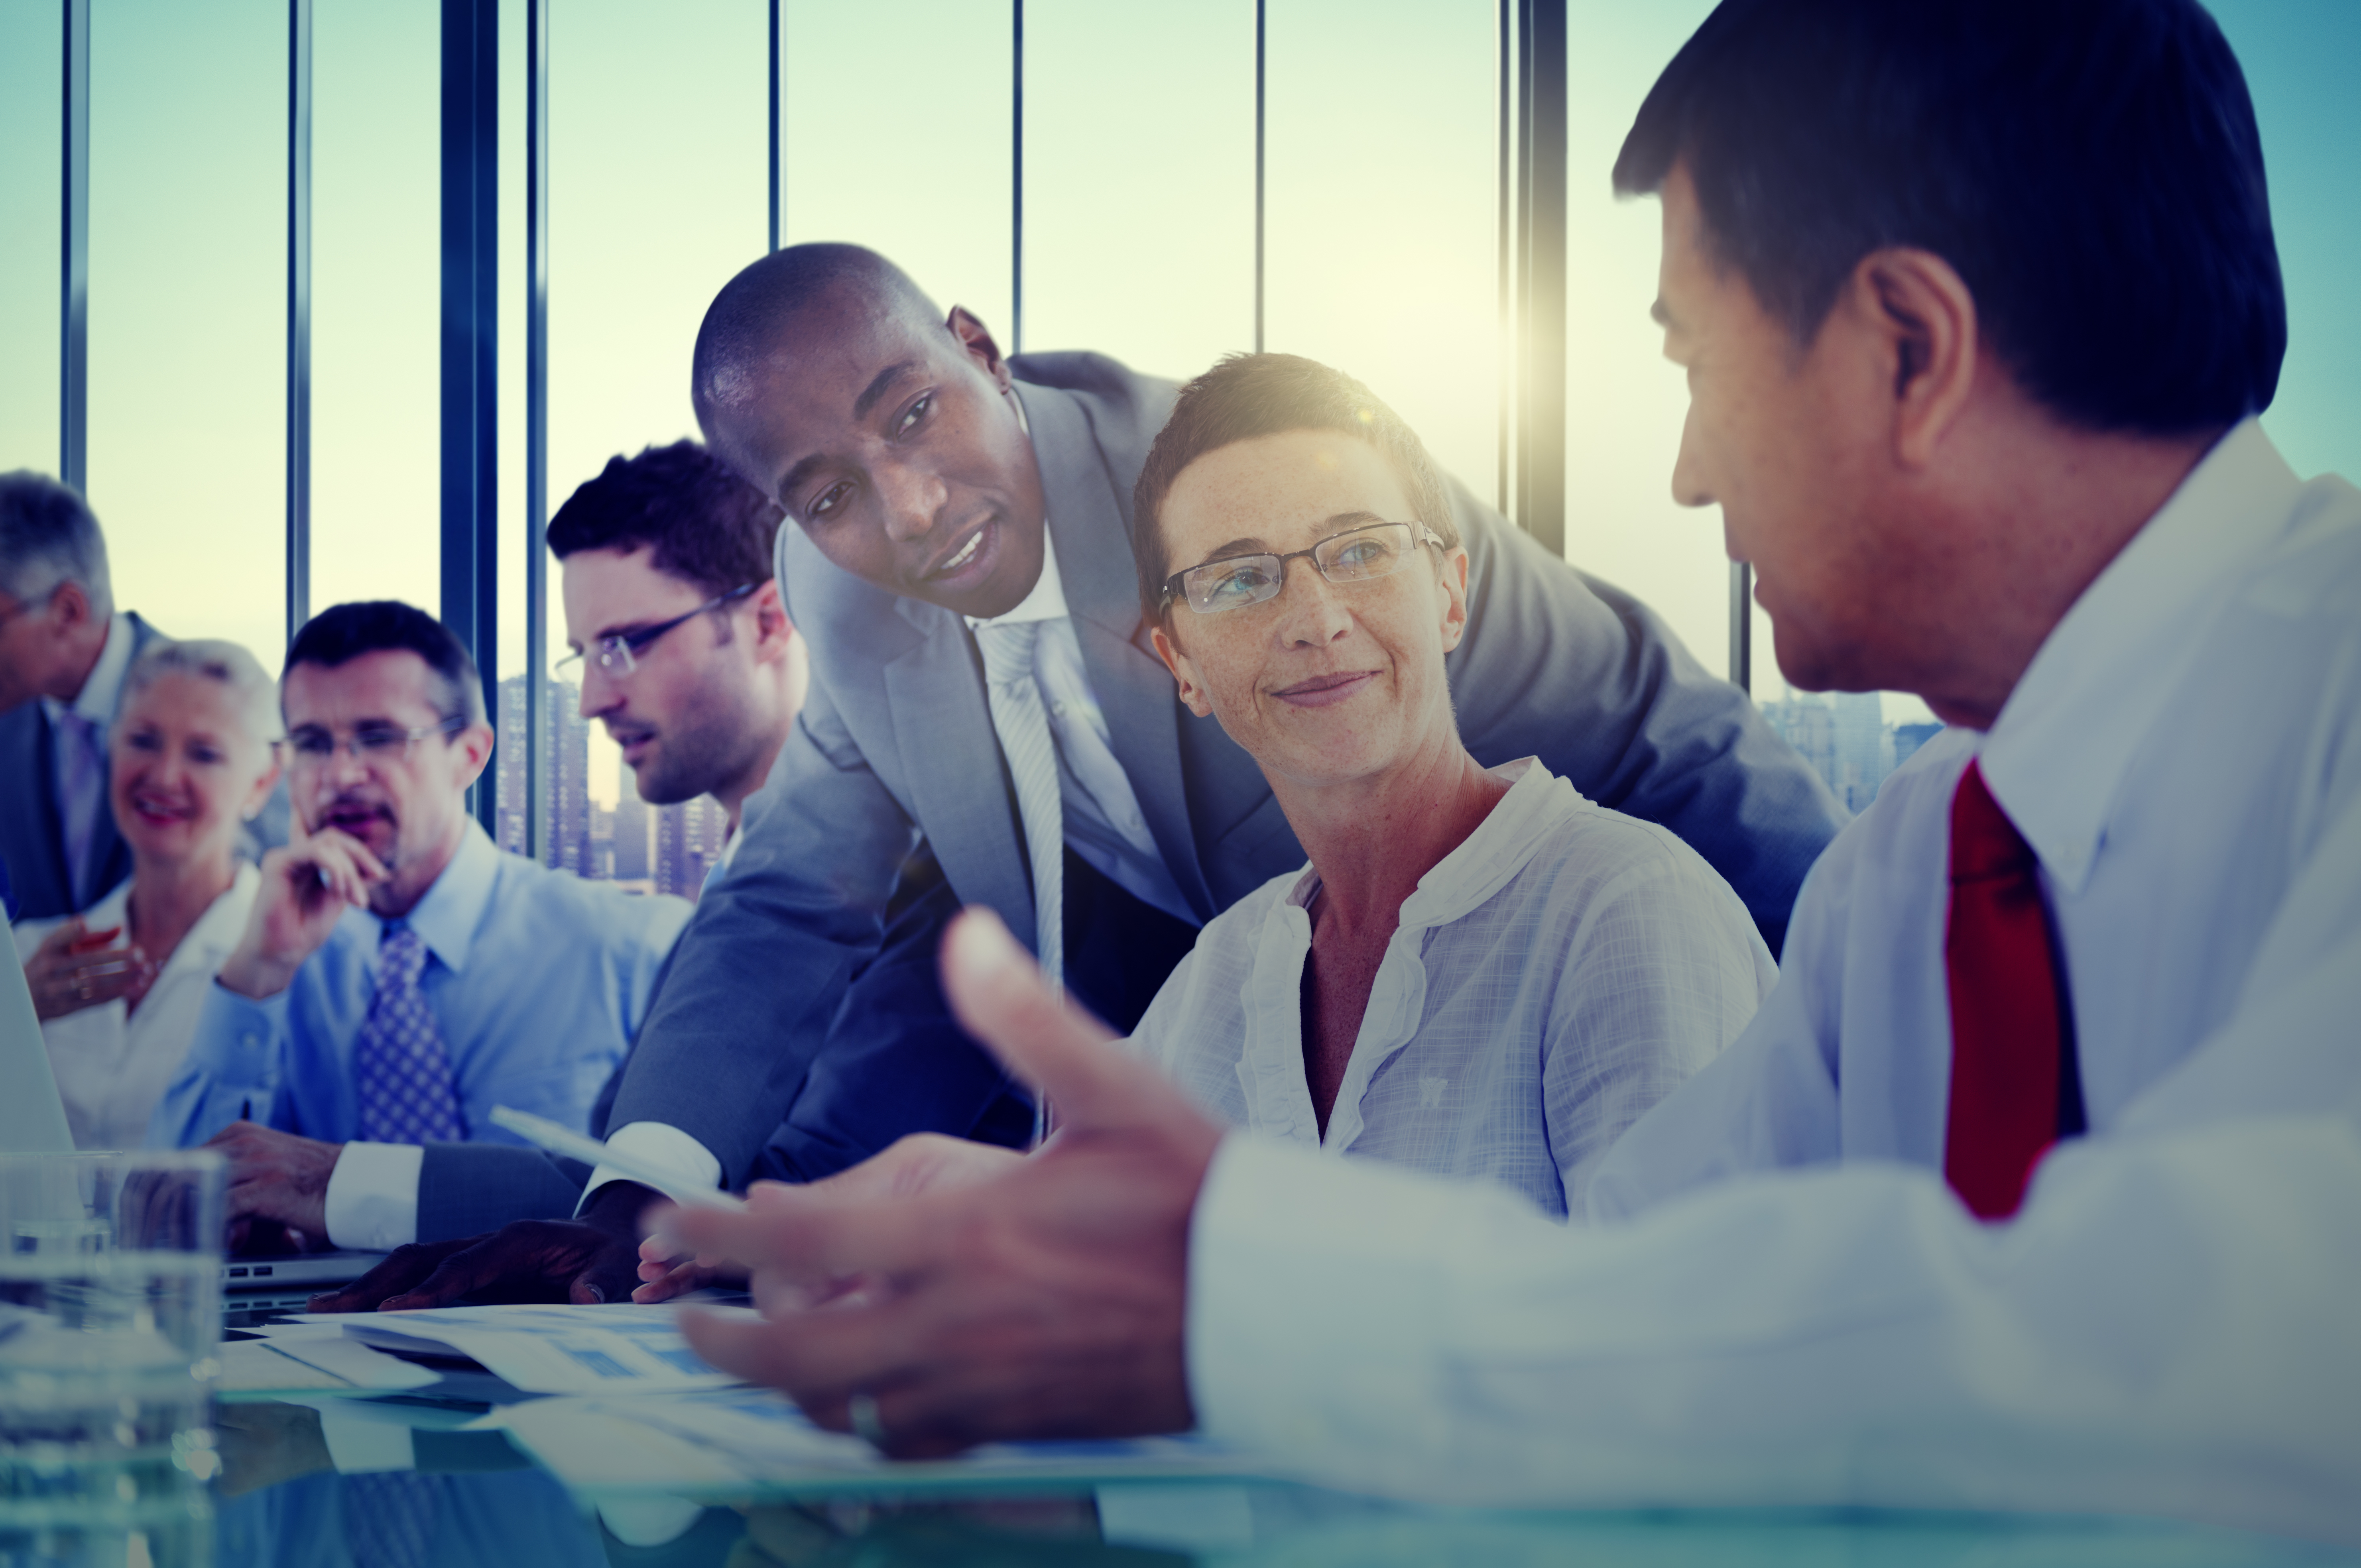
point(973, 1298)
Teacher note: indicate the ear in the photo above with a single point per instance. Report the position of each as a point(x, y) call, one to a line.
point(251, 807)
point(70, 605)
point(1919, 311)
point(474, 745)
point(976, 339)
point(1184, 673)
point(1453, 573)
point(772, 630)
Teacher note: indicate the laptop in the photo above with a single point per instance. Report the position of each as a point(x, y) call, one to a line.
point(33, 1120)
point(32, 1114)
point(259, 1285)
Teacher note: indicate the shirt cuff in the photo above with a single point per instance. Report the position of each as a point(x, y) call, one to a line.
point(691, 1166)
point(372, 1199)
point(1308, 1278)
point(236, 1040)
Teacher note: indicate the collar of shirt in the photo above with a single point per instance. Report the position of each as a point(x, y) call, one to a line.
point(95, 703)
point(2056, 757)
point(207, 943)
point(1481, 863)
point(448, 916)
point(1046, 602)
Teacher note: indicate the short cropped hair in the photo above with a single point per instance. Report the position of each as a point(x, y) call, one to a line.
point(1247, 396)
point(255, 694)
point(707, 527)
point(48, 536)
point(342, 632)
point(2090, 169)
point(742, 327)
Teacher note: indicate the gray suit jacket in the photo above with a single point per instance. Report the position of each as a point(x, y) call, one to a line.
point(890, 807)
point(32, 828)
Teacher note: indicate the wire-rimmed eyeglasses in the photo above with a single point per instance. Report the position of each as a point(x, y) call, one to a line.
point(1355, 555)
point(618, 652)
point(315, 747)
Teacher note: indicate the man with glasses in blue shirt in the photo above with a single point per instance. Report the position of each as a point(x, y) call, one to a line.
point(399, 975)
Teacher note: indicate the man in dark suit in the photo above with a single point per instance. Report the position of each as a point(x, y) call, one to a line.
point(63, 651)
point(943, 495)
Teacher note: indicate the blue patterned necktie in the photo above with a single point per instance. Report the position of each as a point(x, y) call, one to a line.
point(402, 1072)
point(1023, 725)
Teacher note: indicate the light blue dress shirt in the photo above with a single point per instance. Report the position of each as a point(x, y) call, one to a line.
point(537, 978)
point(1789, 1306)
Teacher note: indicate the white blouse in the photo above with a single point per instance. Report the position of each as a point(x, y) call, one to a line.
point(113, 1065)
point(1553, 977)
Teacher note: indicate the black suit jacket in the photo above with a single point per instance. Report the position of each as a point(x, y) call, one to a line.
point(32, 828)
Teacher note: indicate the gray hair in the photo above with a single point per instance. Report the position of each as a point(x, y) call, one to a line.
point(48, 536)
point(255, 695)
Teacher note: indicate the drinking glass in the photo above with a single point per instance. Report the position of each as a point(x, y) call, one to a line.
point(110, 1335)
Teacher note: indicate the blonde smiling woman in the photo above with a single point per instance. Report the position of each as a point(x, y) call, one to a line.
point(118, 986)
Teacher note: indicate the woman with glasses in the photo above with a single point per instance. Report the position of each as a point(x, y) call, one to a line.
point(118, 987)
point(1480, 973)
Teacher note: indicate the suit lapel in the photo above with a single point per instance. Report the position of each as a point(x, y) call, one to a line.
point(952, 758)
point(35, 839)
point(1091, 522)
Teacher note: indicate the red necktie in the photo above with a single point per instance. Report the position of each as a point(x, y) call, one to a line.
point(2013, 1088)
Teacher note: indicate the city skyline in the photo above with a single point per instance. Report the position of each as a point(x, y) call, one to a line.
point(639, 847)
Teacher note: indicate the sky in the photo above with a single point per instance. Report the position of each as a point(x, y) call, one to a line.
point(1379, 254)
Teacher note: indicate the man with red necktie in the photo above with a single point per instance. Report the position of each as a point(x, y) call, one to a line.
point(2037, 1182)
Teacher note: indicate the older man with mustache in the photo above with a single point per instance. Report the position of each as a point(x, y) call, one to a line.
point(399, 975)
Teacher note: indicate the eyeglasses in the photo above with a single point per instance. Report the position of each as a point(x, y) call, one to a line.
point(376, 743)
point(1355, 555)
point(618, 654)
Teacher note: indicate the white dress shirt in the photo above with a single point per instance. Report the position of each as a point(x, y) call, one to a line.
point(112, 1063)
point(1103, 819)
point(2169, 1326)
point(1553, 977)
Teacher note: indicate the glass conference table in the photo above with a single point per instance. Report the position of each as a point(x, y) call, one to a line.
point(455, 1495)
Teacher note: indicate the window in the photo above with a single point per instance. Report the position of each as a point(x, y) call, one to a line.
point(31, 42)
point(377, 301)
point(918, 172)
point(657, 163)
point(1137, 218)
point(188, 288)
point(1139, 180)
point(1382, 213)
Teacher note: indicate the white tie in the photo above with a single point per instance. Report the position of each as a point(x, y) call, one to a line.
point(1023, 728)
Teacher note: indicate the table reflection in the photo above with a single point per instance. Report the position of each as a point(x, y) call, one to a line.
point(404, 1483)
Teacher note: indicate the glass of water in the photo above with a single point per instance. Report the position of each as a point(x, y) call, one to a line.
point(110, 1334)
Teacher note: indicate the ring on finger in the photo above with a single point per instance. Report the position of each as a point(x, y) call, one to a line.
point(860, 1410)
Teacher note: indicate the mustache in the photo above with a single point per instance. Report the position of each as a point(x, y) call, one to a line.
point(354, 804)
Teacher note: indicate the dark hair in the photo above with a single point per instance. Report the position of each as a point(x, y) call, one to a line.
point(708, 527)
point(1250, 395)
point(743, 322)
point(2090, 167)
point(342, 632)
point(48, 536)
